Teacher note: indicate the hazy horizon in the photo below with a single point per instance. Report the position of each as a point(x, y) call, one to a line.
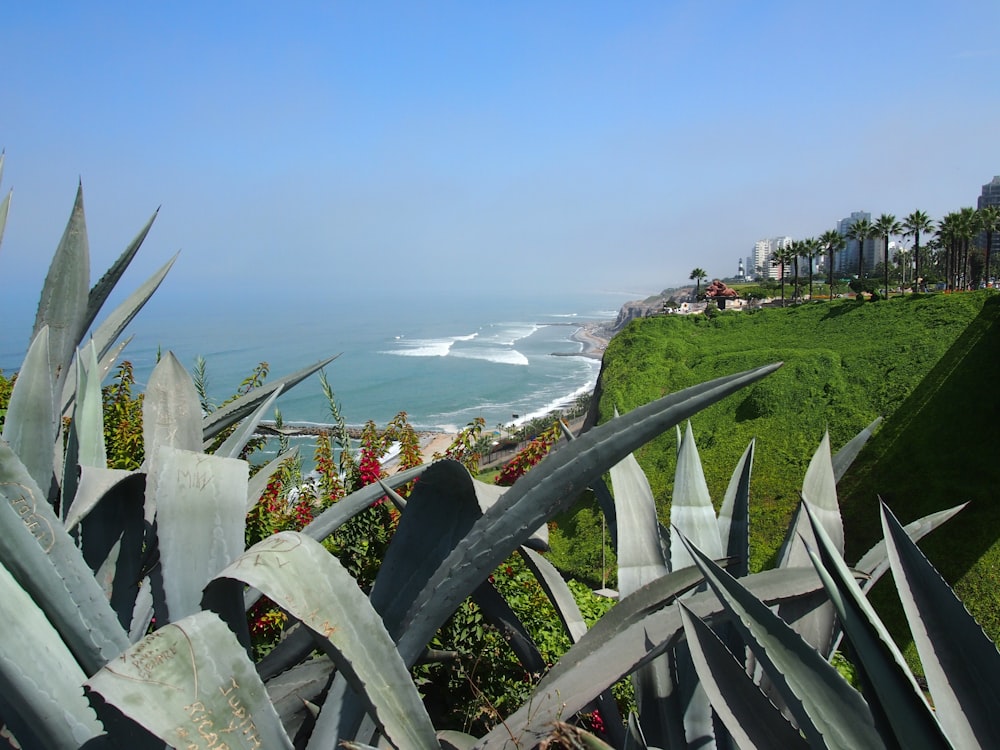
point(394, 151)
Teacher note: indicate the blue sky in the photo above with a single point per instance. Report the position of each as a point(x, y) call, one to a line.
point(439, 148)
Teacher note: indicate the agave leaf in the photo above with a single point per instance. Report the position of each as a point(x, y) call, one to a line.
point(114, 541)
point(88, 417)
point(569, 613)
point(827, 710)
point(98, 295)
point(845, 456)
point(104, 367)
point(191, 683)
point(552, 485)
point(498, 613)
point(819, 488)
point(636, 630)
point(41, 556)
point(748, 715)
point(898, 706)
point(39, 678)
point(63, 302)
point(603, 495)
point(961, 664)
point(201, 520)
point(347, 507)
point(236, 442)
point(489, 495)
point(171, 416)
point(640, 557)
point(237, 409)
point(94, 484)
point(451, 739)
point(289, 691)
point(691, 511)
point(558, 592)
point(640, 560)
point(734, 516)
point(876, 560)
point(259, 481)
point(4, 208)
point(439, 513)
point(31, 425)
point(284, 567)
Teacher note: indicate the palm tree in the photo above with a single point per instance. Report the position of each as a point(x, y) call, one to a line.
point(860, 230)
point(781, 258)
point(968, 227)
point(948, 238)
point(989, 220)
point(811, 248)
point(883, 227)
point(913, 225)
point(796, 252)
point(832, 242)
point(697, 275)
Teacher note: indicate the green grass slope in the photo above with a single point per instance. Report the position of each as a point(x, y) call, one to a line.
point(927, 364)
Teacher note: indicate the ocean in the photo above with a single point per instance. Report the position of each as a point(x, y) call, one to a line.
point(442, 361)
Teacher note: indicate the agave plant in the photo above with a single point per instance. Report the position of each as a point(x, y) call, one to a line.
point(130, 589)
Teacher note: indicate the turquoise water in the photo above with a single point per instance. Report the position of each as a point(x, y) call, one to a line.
point(443, 361)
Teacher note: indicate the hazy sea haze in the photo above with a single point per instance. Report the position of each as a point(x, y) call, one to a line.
point(444, 360)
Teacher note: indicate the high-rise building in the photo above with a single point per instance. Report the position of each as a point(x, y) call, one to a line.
point(991, 194)
point(846, 260)
point(760, 263)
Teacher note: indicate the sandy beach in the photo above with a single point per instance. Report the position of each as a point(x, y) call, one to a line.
point(593, 336)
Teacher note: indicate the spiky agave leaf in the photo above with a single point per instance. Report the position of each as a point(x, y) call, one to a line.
point(63, 302)
point(39, 678)
point(734, 516)
point(876, 560)
point(641, 560)
point(108, 508)
point(43, 558)
point(190, 682)
point(961, 664)
point(900, 711)
point(691, 510)
point(31, 424)
point(349, 629)
point(637, 629)
point(237, 440)
point(549, 487)
point(603, 495)
point(171, 417)
point(100, 292)
point(691, 514)
point(4, 208)
point(829, 712)
point(201, 517)
point(88, 416)
point(843, 459)
point(237, 409)
point(640, 557)
point(819, 487)
point(748, 715)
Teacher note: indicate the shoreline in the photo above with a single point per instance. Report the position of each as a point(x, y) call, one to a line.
point(593, 336)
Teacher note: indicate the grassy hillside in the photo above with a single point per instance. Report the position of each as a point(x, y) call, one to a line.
point(927, 364)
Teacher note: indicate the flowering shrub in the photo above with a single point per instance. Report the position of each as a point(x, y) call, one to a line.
point(528, 456)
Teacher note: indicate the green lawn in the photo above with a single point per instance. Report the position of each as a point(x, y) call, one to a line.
point(927, 363)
